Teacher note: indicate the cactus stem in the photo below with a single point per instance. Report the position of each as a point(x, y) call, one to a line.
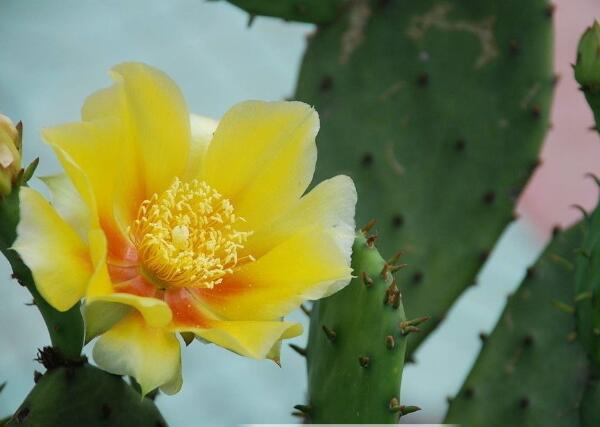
point(366, 279)
point(364, 361)
point(390, 342)
point(329, 333)
point(365, 229)
point(301, 351)
point(106, 411)
point(305, 309)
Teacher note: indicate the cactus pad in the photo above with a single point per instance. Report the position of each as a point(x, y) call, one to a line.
point(437, 109)
point(356, 346)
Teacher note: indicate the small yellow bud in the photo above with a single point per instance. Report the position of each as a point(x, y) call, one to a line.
point(10, 154)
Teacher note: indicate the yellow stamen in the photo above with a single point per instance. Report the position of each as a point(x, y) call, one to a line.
point(188, 236)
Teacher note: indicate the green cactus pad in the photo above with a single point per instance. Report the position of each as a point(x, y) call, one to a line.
point(315, 11)
point(437, 109)
point(587, 68)
point(587, 289)
point(356, 347)
point(85, 396)
point(532, 371)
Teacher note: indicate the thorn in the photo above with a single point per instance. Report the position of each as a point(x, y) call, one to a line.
point(37, 375)
point(483, 336)
point(301, 351)
point(392, 295)
point(405, 410)
point(394, 268)
point(384, 271)
point(563, 307)
point(305, 409)
point(469, 392)
point(524, 403)
point(459, 145)
point(423, 79)
point(251, 18)
point(368, 282)
point(395, 258)
point(298, 414)
point(583, 296)
point(514, 47)
point(30, 304)
point(550, 9)
point(527, 341)
point(364, 361)
point(536, 111)
point(582, 210)
point(330, 333)
point(390, 342)
point(530, 273)
point(414, 322)
point(305, 309)
point(371, 240)
point(566, 264)
point(410, 330)
point(368, 226)
point(489, 197)
point(21, 414)
point(594, 177)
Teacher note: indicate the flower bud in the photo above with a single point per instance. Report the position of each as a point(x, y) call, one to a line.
point(587, 67)
point(10, 154)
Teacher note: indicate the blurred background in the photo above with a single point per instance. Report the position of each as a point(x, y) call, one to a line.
point(54, 54)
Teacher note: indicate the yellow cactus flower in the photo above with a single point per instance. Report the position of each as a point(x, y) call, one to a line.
point(168, 224)
point(10, 154)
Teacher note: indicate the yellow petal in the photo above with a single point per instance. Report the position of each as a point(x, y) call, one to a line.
point(100, 316)
point(57, 257)
point(151, 355)
point(309, 265)
point(158, 122)
point(258, 340)
point(203, 129)
point(68, 203)
point(262, 157)
point(330, 205)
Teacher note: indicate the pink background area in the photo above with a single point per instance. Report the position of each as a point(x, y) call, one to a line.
point(571, 149)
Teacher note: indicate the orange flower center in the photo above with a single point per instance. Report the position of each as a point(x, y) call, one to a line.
point(187, 236)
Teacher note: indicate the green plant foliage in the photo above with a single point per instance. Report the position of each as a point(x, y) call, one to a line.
point(84, 396)
point(532, 371)
point(437, 109)
point(356, 347)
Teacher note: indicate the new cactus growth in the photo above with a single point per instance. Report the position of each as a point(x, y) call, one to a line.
point(587, 68)
point(437, 109)
point(357, 343)
point(531, 370)
point(77, 394)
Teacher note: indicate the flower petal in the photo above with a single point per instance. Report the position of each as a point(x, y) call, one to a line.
point(330, 205)
point(158, 122)
point(100, 316)
point(311, 264)
point(258, 340)
point(151, 355)
point(262, 157)
point(57, 257)
point(203, 129)
point(68, 203)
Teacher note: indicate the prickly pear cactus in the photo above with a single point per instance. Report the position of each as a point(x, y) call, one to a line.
point(437, 109)
point(356, 346)
point(315, 11)
point(532, 371)
point(82, 395)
